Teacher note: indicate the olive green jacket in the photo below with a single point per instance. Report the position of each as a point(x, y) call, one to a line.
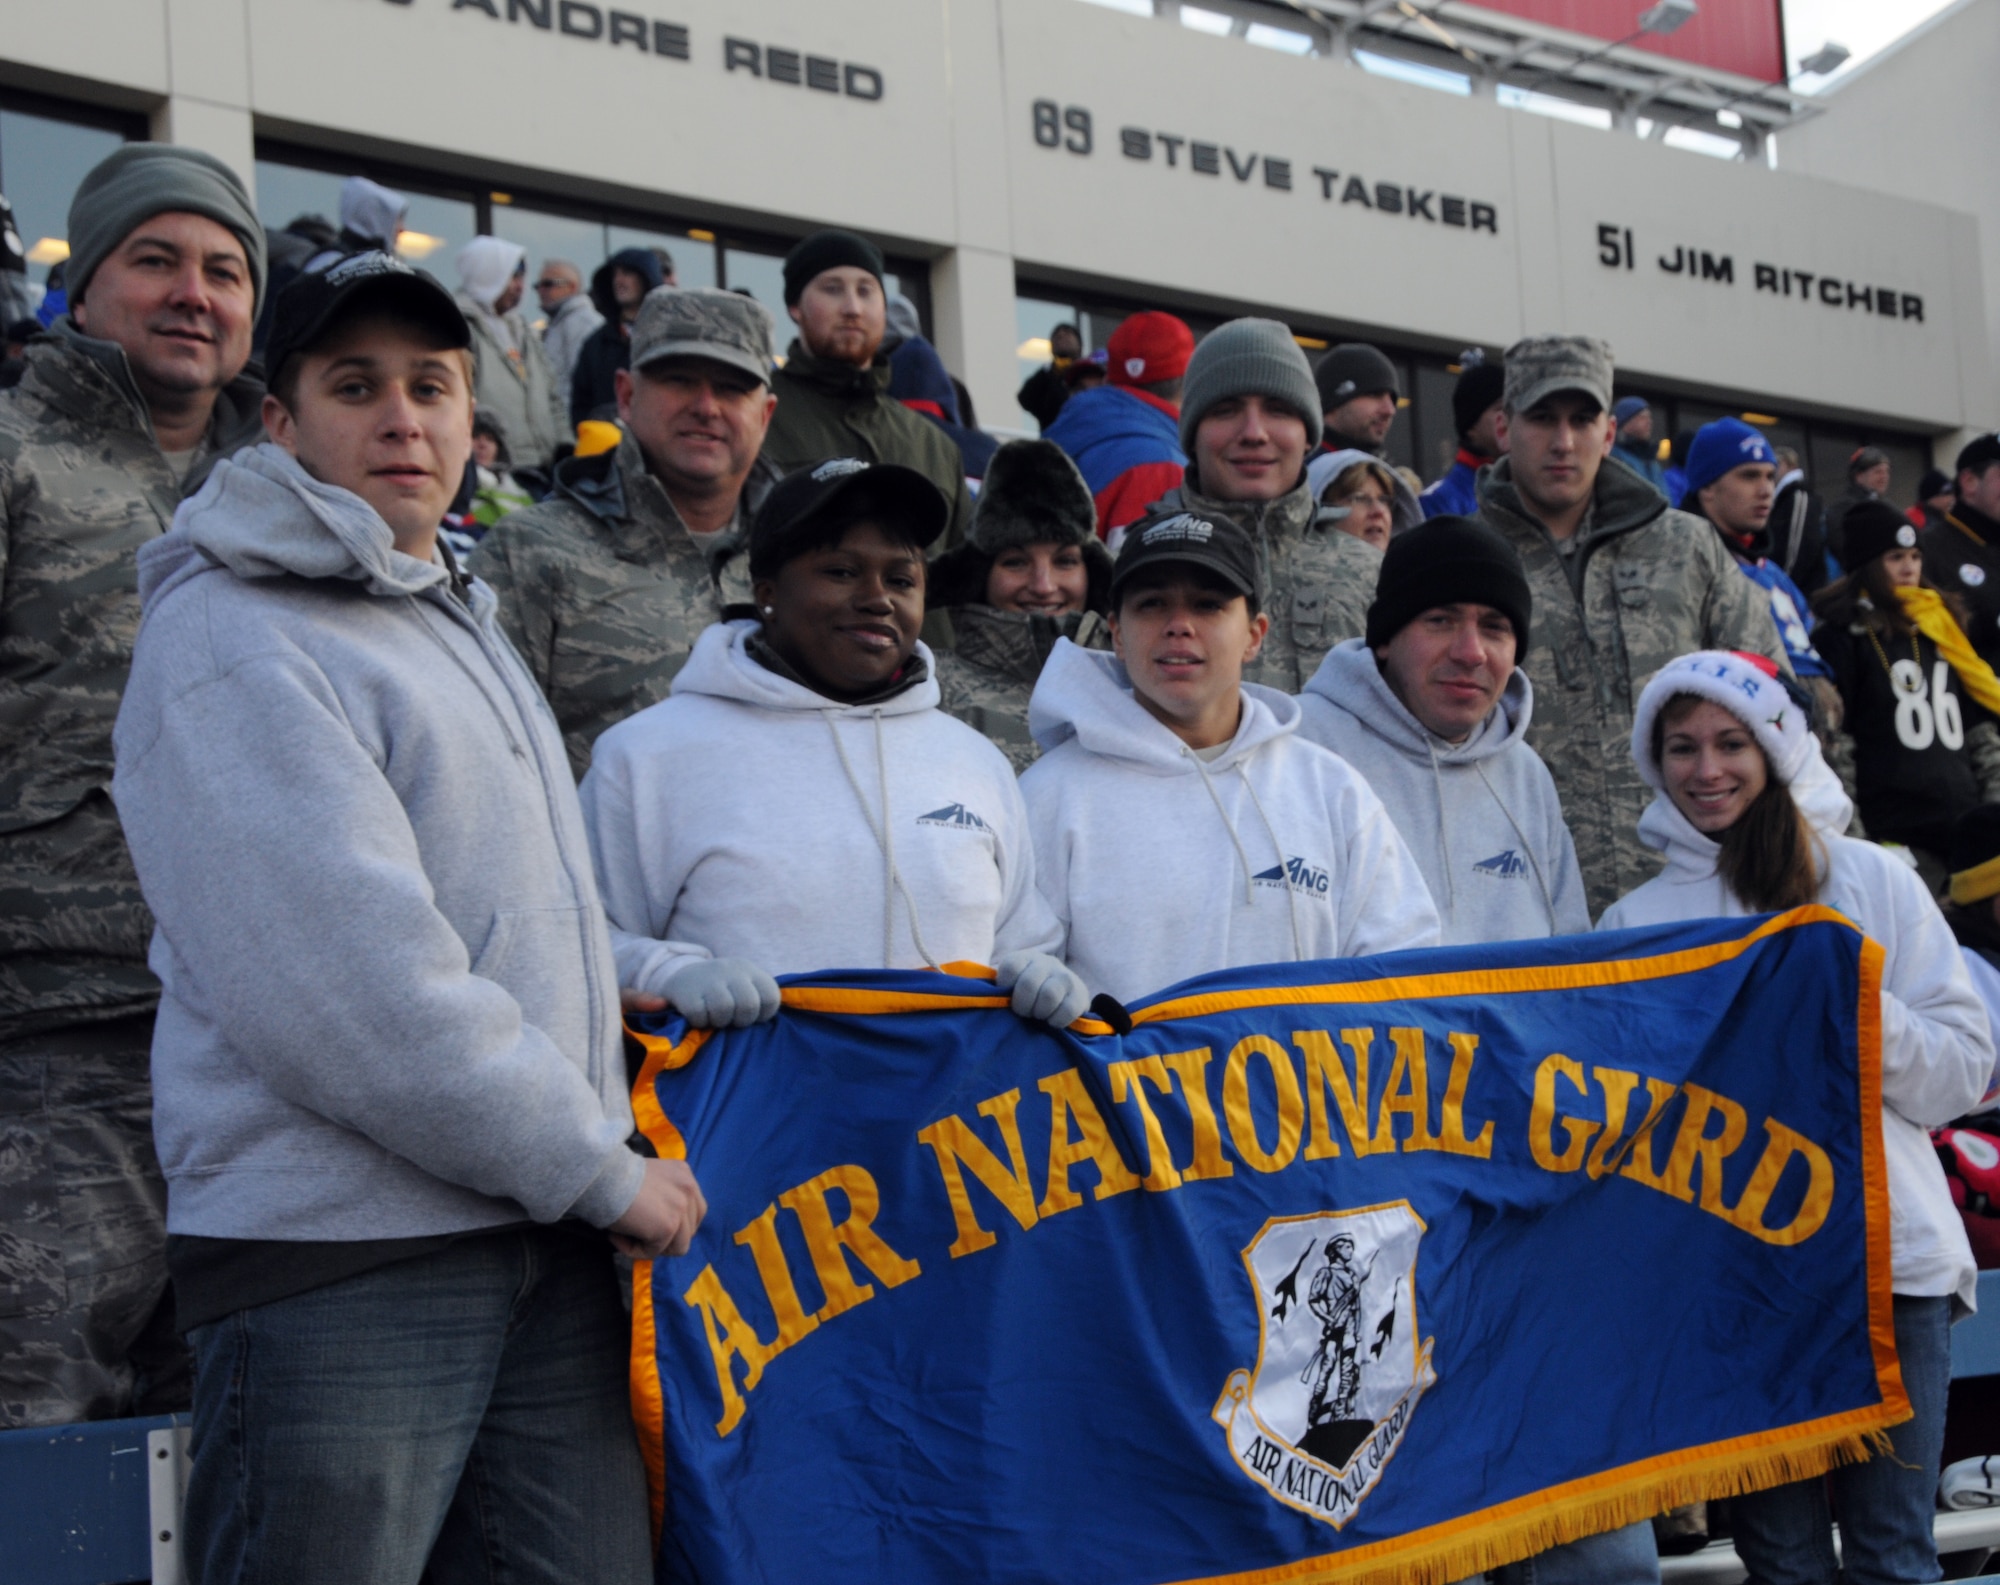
point(828, 409)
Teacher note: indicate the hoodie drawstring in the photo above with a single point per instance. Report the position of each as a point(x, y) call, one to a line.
point(885, 839)
point(1444, 836)
point(1527, 847)
point(1291, 892)
point(1243, 858)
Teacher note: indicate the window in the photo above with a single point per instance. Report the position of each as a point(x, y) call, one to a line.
point(46, 149)
point(763, 276)
point(438, 225)
point(1034, 318)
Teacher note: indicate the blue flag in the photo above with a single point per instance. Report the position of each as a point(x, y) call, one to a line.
point(1388, 1269)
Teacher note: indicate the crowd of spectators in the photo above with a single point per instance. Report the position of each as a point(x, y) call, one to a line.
point(383, 713)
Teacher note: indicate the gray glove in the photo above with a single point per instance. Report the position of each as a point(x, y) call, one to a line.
point(1043, 988)
point(723, 993)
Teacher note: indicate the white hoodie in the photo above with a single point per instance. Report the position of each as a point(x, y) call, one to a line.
point(1936, 1049)
point(1161, 866)
point(746, 816)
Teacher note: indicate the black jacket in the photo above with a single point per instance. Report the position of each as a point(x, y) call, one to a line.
point(1962, 555)
point(1912, 774)
point(1043, 394)
point(1798, 536)
point(594, 383)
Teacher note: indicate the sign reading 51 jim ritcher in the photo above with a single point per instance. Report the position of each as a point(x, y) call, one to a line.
point(1392, 1269)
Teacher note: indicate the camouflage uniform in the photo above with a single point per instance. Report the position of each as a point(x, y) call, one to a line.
point(989, 675)
point(1318, 582)
point(83, 485)
point(1643, 585)
point(603, 590)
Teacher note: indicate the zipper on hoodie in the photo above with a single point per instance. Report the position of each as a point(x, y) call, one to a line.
point(507, 666)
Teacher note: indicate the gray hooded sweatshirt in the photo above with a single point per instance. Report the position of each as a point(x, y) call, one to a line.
point(388, 1003)
point(1481, 817)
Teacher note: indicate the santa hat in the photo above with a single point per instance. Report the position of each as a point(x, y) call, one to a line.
point(1748, 687)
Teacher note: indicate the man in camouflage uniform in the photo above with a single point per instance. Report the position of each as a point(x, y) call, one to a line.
point(605, 586)
point(125, 406)
point(1250, 416)
point(1622, 584)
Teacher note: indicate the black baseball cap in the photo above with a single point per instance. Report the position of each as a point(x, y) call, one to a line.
point(833, 495)
point(312, 306)
point(1212, 542)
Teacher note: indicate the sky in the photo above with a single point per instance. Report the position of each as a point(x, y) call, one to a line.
point(1864, 26)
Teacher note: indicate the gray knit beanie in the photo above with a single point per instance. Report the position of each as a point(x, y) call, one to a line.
point(142, 180)
point(1249, 357)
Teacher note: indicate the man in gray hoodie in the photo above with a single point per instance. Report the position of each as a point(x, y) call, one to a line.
point(388, 1081)
point(1432, 710)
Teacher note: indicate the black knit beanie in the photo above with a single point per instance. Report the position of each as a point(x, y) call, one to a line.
point(828, 250)
point(1870, 529)
point(1448, 561)
point(1478, 388)
point(1353, 369)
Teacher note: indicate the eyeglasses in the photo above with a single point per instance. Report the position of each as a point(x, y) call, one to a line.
point(1366, 500)
point(549, 284)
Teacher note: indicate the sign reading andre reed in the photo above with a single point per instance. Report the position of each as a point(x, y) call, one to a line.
point(1373, 1270)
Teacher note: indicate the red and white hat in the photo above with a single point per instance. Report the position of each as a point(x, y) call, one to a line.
point(1149, 347)
point(1747, 686)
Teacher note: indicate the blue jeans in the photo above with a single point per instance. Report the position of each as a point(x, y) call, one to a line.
point(1784, 1535)
point(1625, 1556)
point(460, 1416)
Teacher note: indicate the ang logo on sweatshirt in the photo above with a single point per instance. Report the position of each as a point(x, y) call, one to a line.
point(1297, 874)
point(957, 816)
point(1504, 866)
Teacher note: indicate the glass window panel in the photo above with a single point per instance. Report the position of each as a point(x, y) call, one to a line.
point(917, 290)
point(1400, 449)
point(436, 228)
point(764, 275)
point(1826, 461)
point(1437, 430)
point(1034, 318)
point(42, 162)
point(1098, 326)
point(285, 192)
point(1908, 461)
point(694, 257)
point(547, 236)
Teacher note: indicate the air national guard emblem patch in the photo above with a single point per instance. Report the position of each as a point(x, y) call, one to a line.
point(1339, 1364)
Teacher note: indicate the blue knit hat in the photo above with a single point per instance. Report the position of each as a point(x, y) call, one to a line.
point(1721, 446)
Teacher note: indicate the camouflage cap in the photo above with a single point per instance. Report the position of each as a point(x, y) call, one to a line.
point(1539, 366)
point(702, 322)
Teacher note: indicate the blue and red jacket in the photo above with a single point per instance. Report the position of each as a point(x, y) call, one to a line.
point(1456, 494)
point(1127, 446)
